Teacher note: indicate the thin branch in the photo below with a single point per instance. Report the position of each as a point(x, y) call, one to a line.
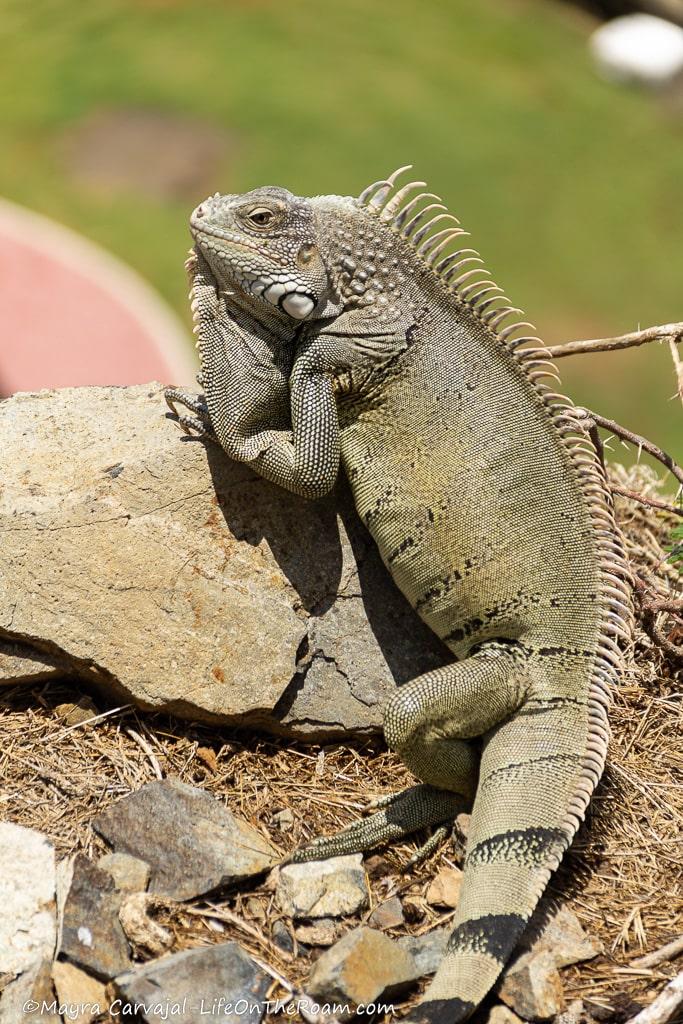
point(640, 442)
point(651, 502)
point(660, 956)
point(662, 1009)
point(664, 332)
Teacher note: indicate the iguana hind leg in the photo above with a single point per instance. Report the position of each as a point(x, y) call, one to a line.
point(428, 721)
point(402, 814)
point(531, 775)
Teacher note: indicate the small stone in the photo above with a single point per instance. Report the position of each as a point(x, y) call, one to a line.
point(130, 874)
point(255, 910)
point(92, 936)
point(74, 714)
point(502, 1015)
point(363, 966)
point(564, 938)
point(323, 888)
point(532, 987)
point(196, 985)
point(28, 922)
point(426, 950)
point(284, 820)
point(192, 843)
point(321, 933)
point(444, 890)
point(462, 822)
point(85, 996)
point(387, 915)
point(282, 937)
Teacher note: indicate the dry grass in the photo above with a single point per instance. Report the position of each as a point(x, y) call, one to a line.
point(623, 877)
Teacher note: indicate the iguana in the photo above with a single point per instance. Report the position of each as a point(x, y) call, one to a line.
point(349, 330)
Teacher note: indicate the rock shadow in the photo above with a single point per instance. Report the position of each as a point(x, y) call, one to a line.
point(305, 539)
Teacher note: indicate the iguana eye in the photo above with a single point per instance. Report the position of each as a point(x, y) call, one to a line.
point(261, 216)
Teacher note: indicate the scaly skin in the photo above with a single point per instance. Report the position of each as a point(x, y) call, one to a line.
point(340, 330)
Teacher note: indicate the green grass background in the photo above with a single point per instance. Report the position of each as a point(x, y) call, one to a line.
point(571, 186)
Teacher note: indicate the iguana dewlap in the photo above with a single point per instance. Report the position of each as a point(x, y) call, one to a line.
point(356, 331)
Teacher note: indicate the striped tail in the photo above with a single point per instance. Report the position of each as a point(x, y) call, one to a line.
point(533, 790)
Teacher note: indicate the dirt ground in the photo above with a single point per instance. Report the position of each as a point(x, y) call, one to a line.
point(623, 876)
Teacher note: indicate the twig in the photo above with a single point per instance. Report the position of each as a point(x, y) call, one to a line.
point(221, 914)
point(144, 746)
point(642, 500)
point(90, 721)
point(664, 332)
point(661, 1010)
point(660, 956)
point(640, 442)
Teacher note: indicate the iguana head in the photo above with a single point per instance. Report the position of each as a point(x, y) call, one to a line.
point(264, 243)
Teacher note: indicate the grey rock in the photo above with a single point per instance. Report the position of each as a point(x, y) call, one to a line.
point(388, 914)
point(363, 966)
point(190, 985)
point(426, 950)
point(92, 937)
point(33, 986)
point(282, 937)
point(560, 935)
point(130, 874)
point(284, 820)
point(532, 987)
point(28, 919)
point(239, 602)
point(192, 843)
point(322, 888)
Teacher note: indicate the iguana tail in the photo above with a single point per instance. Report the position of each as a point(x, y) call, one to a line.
point(538, 770)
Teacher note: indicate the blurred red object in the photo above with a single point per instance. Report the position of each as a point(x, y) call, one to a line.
point(72, 314)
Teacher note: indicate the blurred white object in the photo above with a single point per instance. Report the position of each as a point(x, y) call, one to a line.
point(638, 47)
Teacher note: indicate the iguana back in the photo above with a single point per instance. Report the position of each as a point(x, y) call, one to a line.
point(490, 510)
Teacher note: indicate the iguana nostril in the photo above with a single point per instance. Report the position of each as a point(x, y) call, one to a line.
point(199, 212)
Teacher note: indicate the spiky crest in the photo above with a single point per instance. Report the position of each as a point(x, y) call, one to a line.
point(404, 219)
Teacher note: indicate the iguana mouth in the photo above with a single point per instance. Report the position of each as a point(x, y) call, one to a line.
point(227, 236)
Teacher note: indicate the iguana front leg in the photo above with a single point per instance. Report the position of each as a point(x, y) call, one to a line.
point(279, 420)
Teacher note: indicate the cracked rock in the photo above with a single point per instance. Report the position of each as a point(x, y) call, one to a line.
point(28, 923)
point(191, 842)
point(322, 888)
point(532, 987)
point(239, 602)
point(92, 937)
point(362, 967)
point(196, 985)
point(426, 950)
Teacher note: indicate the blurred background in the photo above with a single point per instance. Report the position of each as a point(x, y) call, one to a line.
point(119, 116)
